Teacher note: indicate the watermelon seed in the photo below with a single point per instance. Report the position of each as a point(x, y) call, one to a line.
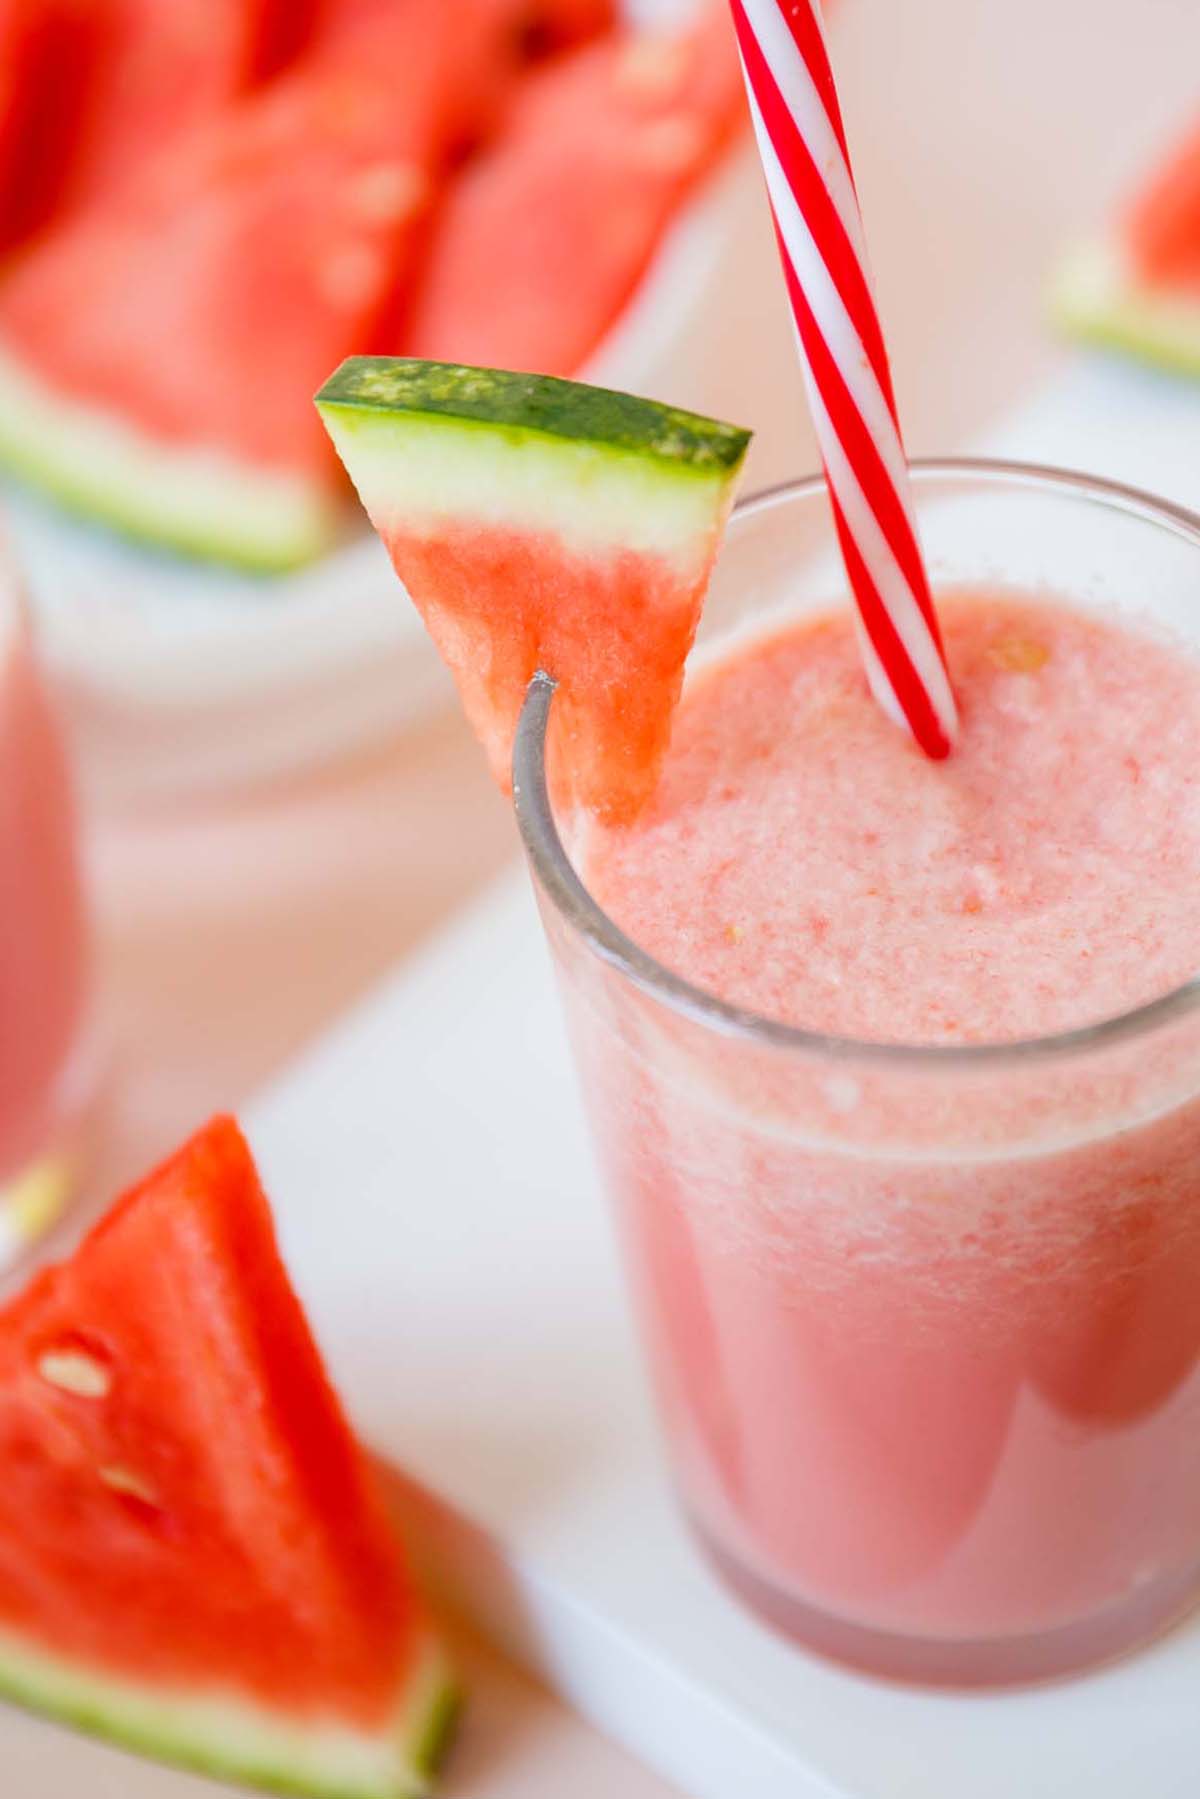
point(74, 1371)
point(672, 145)
point(1019, 655)
point(130, 1485)
point(349, 276)
point(389, 192)
point(652, 69)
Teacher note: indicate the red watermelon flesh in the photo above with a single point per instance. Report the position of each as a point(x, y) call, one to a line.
point(543, 240)
point(285, 29)
point(502, 604)
point(558, 24)
point(206, 307)
point(1163, 226)
point(210, 1510)
point(573, 21)
point(167, 66)
point(492, 42)
point(49, 55)
point(543, 525)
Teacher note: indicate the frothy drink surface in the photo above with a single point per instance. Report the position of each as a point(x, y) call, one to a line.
point(802, 858)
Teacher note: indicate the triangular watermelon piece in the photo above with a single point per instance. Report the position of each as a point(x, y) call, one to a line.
point(194, 1559)
point(542, 524)
point(1138, 288)
point(546, 235)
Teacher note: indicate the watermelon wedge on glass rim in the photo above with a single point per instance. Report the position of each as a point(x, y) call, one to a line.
point(1136, 288)
point(194, 1560)
point(541, 524)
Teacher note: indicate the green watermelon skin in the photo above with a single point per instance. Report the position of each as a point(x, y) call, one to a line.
point(540, 524)
point(194, 500)
point(1100, 298)
point(378, 390)
point(195, 1559)
point(230, 1743)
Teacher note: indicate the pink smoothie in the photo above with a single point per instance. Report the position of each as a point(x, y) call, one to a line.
point(42, 950)
point(926, 1346)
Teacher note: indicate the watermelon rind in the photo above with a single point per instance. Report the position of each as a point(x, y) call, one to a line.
point(231, 1738)
point(1097, 297)
point(192, 499)
point(598, 468)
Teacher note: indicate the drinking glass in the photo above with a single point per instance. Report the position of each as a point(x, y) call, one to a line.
point(922, 1322)
point(46, 1061)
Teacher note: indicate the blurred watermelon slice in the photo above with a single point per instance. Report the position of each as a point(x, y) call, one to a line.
point(50, 54)
point(545, 237)
point(1138, 289)
point(158, 354)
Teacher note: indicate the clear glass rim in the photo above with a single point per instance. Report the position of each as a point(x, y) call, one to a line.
point(558, 879)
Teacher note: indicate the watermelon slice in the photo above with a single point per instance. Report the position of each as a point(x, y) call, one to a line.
point(538, 523)
point(156, 355)
point(193, 1557)
point(545, 237)
point(1139, 288)
point(174, 401)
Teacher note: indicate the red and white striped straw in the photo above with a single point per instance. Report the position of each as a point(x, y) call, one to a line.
point(798, 123)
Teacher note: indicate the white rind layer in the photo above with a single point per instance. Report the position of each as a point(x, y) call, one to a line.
point(1098, 298)
point(227, 1736)
point(424, 470)
point(188, 498)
